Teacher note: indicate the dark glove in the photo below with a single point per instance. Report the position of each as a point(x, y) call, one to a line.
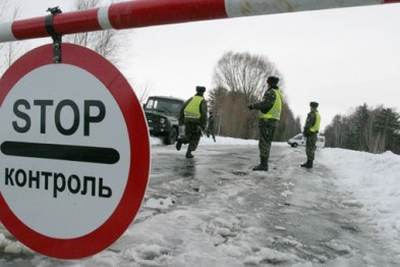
point(251, 106)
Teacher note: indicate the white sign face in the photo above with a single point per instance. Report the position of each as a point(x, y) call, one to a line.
point(75, 131)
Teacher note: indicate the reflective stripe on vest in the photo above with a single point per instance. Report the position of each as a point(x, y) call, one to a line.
point(192, 110)
point(275, 111)
point(315, 127)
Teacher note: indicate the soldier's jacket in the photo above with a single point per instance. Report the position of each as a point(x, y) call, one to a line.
point(310, 121)
point(203, 113)
point(267, 102)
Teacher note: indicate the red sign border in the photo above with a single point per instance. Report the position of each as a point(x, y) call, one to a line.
point(133, 195)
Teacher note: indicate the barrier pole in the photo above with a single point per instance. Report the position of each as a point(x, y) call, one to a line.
point(143, 13)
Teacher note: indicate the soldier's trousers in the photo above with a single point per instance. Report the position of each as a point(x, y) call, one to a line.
point(192, 134)
point(311, 146)
point(267, 130)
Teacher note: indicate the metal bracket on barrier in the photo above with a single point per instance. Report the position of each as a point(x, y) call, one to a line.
point(57, 38)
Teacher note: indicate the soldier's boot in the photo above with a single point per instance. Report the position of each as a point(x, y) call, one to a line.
point(179, 144)
point(308, 164)
point(189, 154)
point(263, 165)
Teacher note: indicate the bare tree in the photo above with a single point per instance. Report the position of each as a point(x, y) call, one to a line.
point(103, 42)
point(245, 73)
point(241, 78)
point(12, 50)
point(3, 9)
point(145, 92)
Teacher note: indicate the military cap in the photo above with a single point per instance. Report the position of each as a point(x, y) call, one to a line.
point(273, 80)
point(200, 89)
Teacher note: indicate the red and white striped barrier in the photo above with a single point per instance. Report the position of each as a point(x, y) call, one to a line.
point(141, 13)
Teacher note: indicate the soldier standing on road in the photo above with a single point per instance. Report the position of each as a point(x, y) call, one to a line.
point(310, 132)
point(270, 113)
point(194, 116)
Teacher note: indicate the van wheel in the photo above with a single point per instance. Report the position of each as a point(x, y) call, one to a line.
point(171, 137)
point(294, 145)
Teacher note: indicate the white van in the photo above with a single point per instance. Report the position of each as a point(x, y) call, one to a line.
point(300, 140)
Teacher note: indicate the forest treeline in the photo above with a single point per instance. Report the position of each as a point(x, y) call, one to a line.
point(374, 130)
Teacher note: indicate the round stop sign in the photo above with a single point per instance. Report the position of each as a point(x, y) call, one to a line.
point(74, 159)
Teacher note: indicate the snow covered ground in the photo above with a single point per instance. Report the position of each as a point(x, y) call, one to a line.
point(220, 141)
point(374, 181)
point(210, 142)
point(213, 211)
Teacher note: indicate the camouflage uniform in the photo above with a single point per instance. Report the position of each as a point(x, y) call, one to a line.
point(192, 134)
point(311, 146)
point(267, 127)
point(311, 138)
point(211, 126)
point(193, 127)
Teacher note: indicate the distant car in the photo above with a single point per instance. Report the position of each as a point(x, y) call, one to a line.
point(162, 115)
point(300, 140)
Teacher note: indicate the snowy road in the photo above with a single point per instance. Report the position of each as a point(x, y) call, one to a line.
point(214, 211)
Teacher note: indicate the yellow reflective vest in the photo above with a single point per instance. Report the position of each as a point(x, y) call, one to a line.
point(315, 127)
point(276, 110)
point(192, 110)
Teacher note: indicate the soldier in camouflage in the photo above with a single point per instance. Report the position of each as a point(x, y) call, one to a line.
point(310, 132)
point(270, 112)
point(194, 116)
point(211, 126)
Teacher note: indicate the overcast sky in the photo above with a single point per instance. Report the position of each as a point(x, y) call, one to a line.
point(340, 58)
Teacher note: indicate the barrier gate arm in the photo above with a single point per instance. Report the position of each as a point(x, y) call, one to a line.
point(142, 13)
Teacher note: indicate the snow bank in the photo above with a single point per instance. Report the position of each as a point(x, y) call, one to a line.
point(374, 180)
point(154, 141)
point(159, 203)
point(220, 140)
point(8, 246)
point(267, 255)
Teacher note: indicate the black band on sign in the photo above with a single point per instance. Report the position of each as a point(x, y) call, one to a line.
point(88, 154)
